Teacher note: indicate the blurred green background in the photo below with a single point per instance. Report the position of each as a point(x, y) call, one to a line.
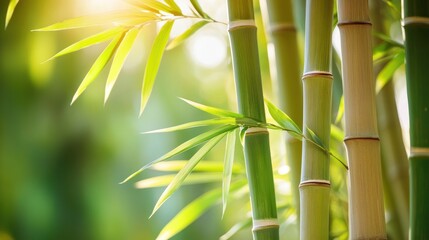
point(60, 165)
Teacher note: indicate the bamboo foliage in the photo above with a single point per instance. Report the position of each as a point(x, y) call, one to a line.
point(285, 72)
point(366, 208)
point(416, 28)
point(317, 84)
point(244, 51)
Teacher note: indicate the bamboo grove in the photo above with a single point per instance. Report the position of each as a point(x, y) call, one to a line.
point(318, 130)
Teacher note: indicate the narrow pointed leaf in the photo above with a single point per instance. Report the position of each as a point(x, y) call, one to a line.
point(183, 173)
point(89, 41)
point(153, 62)
point(206, 166)
point(185, 35)
point(90, 21)
point(282, 118)
point(209, 122)
point(243, 135)
point(173, 5)
point(98, 65)
point(340, 111)
point(212, 110)
point(194, 210)
point(315, 139)
point(119, 59)
point(198, 8)
point(184, 147)
point(10, 9)
point(228, 166)
point(153, 6)
point(388, 40)
point(387, 72)
point(164, 180)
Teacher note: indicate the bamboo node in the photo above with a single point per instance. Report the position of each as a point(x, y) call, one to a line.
point(317, 74)
point(347, 23)
point(256, 130)
point(232, 25)
point(419, 152)
point(260, 224)
point(315, 182)
point(415, 20)
point(281, 27)
point(349, 138)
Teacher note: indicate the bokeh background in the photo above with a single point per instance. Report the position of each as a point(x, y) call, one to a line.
point(60, 165)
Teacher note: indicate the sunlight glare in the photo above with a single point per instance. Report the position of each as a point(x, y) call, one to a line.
point(207, 50)
point(98, 6)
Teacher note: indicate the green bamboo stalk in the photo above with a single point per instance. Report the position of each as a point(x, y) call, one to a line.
point(317, 84)
point(244, 51)
point(366, 208)
point(393, 155)
point(286, 75)
point(416, 27)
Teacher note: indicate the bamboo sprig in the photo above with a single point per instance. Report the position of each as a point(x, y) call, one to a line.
point(366, 208)
point(317, 84)
point(416, 22)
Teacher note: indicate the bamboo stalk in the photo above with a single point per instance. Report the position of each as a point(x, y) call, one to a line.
point(366, 208)
point(286, 75)
point(416, 28)
point(393, 155)
point(244, 51)
point(317, 84)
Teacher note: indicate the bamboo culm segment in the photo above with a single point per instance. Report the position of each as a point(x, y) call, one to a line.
point(416, 28)
point(317, 84)
point(285, 71)
point(245, 58)
point(366, 207)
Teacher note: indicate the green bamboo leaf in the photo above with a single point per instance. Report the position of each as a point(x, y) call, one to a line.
point(10, 9)
point(184, 173)
point(243, 135)
point(228, 165)
point(247, 223)
point(209, 122)
point(174, 6)
point(206, 166)
point(193, 211)
point(89, 41)
point(121, 54)
point(154, 6)
point(185, 35)
point(340, 111)
point(388, 40)
point(184, 147)
point(212, 110)
point(98, 65)
point(282, 118)
point(199, 9)
point(387, 72)
point(94, 20)
point(315, 139)
point(379, 51)
point(195, 178)
point(153, 62)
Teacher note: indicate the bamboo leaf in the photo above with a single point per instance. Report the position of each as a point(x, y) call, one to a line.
point(164, 180)
point(209, 122)
point(121, 54)
point(242, 135)
point(89, 41)
point(173, 5)
point(206, 166)
point(247, 223)
point(387, 72)
point(94, 20)
point(388, 40)
point(193, 211)
point(185, 35)
point(315, 139)
point(184, 147)
point(212, 110)
point(340, 112)
point(10, 9)
point(198, 8)
point(98, 65)
point(155, 6)
point(282, 118)
point(183, 173)
point(153, 62)
point(228, 166)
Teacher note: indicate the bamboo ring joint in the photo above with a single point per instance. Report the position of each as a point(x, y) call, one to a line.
point(232, 25)
point(256, 130)
point(317, 74)
point(259, 224)
point(347, 23)
point(281, 27)
point(415, 20)
point(315, 182)
point(375, 138)
point(419, 152)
